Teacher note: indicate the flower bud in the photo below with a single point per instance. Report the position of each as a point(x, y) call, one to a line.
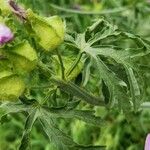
point(48, 30)
point(23, 57)
point(5, 34)
point(12, 86)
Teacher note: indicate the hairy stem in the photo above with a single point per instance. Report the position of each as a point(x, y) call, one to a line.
point(61, 65)
point(74, 64)
point(73, 89)
point(107, 11)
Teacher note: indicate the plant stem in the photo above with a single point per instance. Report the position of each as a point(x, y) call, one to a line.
point(74, 64)
point(107, 11)
point(41, 87)
point(73, 89)
point(45, 69)
point(61, 65)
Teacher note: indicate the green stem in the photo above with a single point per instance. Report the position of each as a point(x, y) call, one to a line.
point(73, 89)
point(74, 64)
point(61, 65)
point(41, 87)
point(108, 11)
point(45, 69)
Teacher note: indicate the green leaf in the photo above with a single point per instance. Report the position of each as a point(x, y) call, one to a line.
point(75, 90)
point(84, 115)
point(106, 93)
point(25, 142)
point(117, 88)
point(134, 88)
point(86, 72)
point(10, 107)
point(106, 41)
point(101, 30)
point(56, 136)
point(139, 40)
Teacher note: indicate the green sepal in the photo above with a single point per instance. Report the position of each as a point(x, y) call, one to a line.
point(12, 86)
point(23, 57)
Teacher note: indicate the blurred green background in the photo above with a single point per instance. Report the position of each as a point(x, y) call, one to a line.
point(118, 134)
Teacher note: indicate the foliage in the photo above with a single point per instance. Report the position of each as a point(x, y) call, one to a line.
point(70, 79)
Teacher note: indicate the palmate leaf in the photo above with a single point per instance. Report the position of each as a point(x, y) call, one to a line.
point(47, 116)
point(84, 115)
point(11, 107)
point(115, 85)
point(123, 58)
point(100, 30)
point(56, 136)
point(61, 141)
point(25, 142)
point(94, 42)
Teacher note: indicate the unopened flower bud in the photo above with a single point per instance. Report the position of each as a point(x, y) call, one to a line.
point(48, 30)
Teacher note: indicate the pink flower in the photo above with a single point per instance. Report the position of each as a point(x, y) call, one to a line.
point(147, 142)
point(5, 34)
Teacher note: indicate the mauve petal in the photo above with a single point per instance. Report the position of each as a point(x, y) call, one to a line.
point(5, 34)
point(147, 142)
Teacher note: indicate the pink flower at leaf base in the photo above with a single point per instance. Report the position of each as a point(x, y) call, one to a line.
point(147, 142)
point(5, 34)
